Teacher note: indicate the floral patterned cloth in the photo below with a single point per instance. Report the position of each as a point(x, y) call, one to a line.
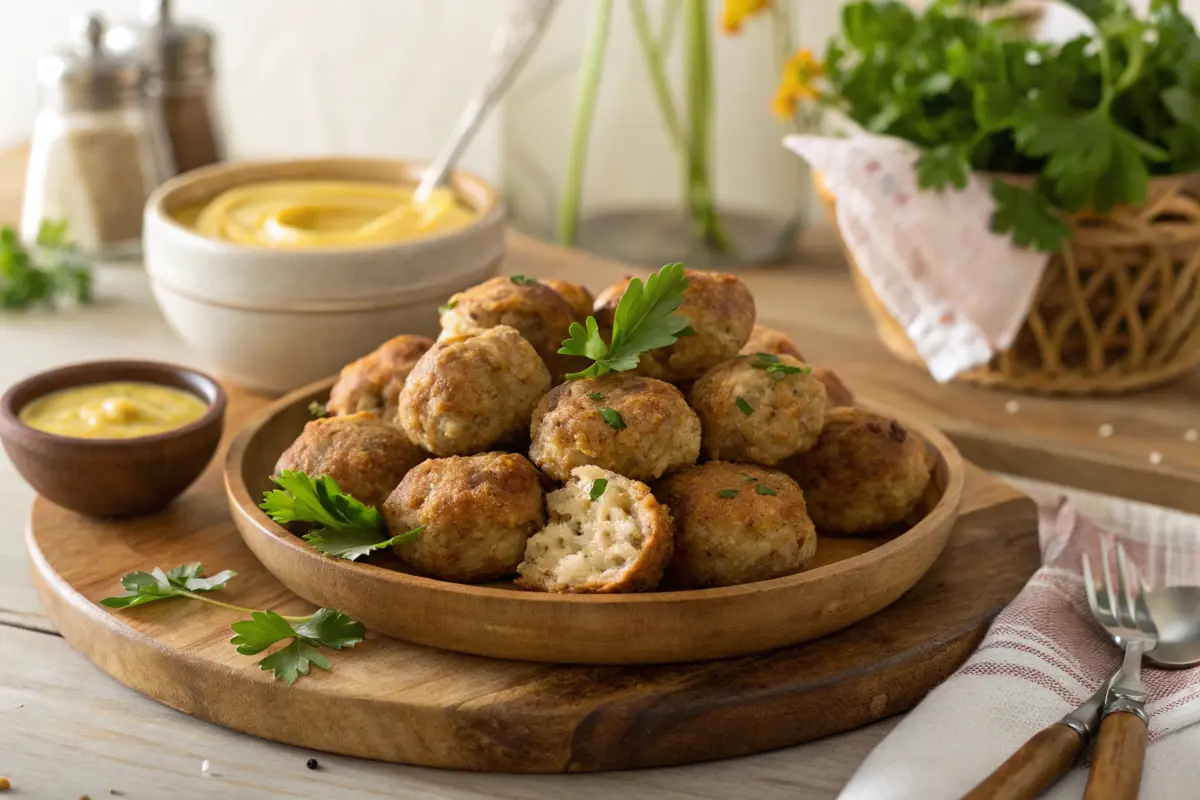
point(960, 291)
point(1042, 657)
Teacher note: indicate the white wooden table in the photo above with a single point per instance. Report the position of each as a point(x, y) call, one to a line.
point(67, 729)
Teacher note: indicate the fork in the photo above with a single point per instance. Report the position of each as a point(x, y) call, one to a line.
point(1118, 602)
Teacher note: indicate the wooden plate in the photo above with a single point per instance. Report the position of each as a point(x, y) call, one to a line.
point(853, 579)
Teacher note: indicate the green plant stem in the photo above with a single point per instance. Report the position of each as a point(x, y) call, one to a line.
point(585, 108)
point(698, 68)
point(667, 27)
point(231, 607)
point(658, 75)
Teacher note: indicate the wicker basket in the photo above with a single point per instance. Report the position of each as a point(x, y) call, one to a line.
point(1117, 310)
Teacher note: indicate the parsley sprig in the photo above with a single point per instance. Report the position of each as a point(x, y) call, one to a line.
point(645, 320)
point(323, 628)
point(343, 527)
point(44, 273)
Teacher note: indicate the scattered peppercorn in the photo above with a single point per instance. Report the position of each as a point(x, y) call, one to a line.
point(311, 763)
point(5, 784)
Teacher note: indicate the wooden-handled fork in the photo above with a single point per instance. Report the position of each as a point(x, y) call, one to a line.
point(1120, 607)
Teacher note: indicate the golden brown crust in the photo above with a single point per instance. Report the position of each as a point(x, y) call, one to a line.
point(661, 432)
point(721, 310)
point(366, 456)
point(769, 340)
point(835, 391)
point(750, 414)
point(535, 310)
point(477, 512)
point(751, 536)
point(658, 531)
point(373, 382)
point(865, 473)
point(578, 297)
point(469, 393)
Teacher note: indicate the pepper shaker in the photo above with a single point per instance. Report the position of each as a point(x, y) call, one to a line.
point(181, 55)
point(99, 146)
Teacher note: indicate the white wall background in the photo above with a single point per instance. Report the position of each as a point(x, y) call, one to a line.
point(390, 76)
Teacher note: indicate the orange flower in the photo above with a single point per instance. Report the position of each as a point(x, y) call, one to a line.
point(737, 12)
point(799, 82)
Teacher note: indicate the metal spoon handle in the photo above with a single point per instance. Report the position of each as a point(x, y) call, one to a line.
point(511, 48)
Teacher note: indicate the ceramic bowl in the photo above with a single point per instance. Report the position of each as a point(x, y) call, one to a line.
point(273, 320)
point(112, 477)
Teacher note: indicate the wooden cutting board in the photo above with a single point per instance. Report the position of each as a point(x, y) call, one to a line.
point(404, 703)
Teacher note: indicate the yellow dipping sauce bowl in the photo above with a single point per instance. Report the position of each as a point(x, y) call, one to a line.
point(118, 410)
point(324, 214)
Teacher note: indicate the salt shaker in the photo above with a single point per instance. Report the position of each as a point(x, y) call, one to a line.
point(99, 146)
point(182, 56)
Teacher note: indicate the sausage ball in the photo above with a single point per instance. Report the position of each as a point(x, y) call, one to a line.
point(638, 427)
point(535, 310)
point(578, 297)
point(759, 408)
point(373, 382)
point(769, 340)
point(835, 391)
point(366, 456)
point(606, 534)
point(469, 392)
point(477, 512)
point(865, 473)
point(735, 523)
point(721, 312)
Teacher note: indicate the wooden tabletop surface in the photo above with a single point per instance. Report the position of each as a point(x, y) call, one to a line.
point(66, 729)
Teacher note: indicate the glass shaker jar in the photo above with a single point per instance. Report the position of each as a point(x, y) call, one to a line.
point(99, 146)
point(182, 57)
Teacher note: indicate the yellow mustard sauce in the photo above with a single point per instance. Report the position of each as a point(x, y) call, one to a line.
point(113, 410)
point(323, 214)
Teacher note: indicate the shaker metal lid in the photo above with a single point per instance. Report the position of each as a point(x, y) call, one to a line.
point(86, 75)
point(180, 50)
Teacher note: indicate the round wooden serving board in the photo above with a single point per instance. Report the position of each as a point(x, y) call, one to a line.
point(389, 700)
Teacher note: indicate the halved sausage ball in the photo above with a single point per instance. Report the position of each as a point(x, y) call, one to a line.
point(477, 512)
point(721, 312)
point(366, 456)
point(373, 382)
point(735, 523)
point(606, 534)
point(578, 297)
point(469, 392)
point(769, 340)
point(638, 427)
point(759, 410)
point(865, 473)
point(535, 310)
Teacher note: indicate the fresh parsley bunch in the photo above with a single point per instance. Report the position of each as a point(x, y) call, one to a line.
point(645, 320)
point(44, 273)
point(1087, 121)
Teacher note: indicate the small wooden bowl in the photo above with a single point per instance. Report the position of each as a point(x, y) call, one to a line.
point(853, 578)
point(112, 477)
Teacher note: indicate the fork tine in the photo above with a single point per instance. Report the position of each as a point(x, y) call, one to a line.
point(1141, 610)
point(1129, 584)
point(1089, 584)
point(1104, 591)
point(1123, 601)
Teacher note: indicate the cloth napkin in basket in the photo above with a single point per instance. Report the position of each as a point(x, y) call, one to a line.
point(1042, 657)
point(960, 291)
